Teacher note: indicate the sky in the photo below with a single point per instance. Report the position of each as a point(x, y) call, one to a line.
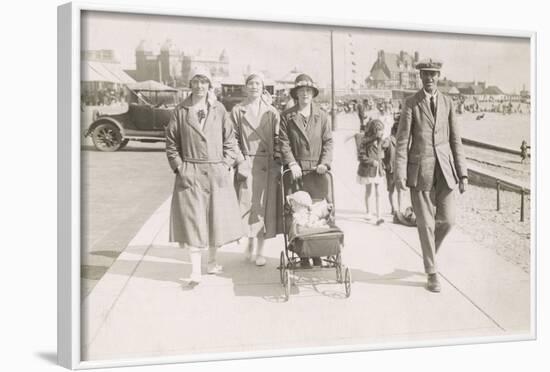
point(281, 47)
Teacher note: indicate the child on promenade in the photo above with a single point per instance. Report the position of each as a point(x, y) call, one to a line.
point(523, 151)
point(371, 167)
point(389, 158)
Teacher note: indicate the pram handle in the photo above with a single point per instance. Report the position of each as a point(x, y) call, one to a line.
point(328, 173)
point(285, 171)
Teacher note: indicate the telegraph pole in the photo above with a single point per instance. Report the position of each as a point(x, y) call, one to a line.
point(333, 101)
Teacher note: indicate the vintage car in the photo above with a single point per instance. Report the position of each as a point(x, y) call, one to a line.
point(149, 110)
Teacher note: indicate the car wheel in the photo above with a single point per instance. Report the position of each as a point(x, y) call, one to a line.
point(107, 137)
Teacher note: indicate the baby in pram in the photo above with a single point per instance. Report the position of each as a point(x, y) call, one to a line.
point(306, 213)
point(308, 217)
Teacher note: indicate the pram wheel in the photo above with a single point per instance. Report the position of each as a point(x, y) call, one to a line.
point(282, 267)
point(347, 282)
point(338, 266)
point(286, 284)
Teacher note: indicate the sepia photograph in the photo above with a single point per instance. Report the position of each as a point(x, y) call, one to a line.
point(254, 188)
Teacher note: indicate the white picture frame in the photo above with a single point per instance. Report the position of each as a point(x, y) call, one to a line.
point(69, 182)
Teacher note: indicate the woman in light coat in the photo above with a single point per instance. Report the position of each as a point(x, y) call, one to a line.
point(256, 125)
point(201, 149)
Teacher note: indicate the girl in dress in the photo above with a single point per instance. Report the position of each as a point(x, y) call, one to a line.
point(370, 171)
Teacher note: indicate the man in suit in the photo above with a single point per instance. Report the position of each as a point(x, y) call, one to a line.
point(429, 159)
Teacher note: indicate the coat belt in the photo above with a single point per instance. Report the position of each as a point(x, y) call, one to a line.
point(202, 161)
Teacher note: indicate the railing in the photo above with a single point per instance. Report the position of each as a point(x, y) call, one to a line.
point(522, 192)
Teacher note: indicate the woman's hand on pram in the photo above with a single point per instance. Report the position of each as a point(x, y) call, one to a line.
point(321, 169)
point(295, 170)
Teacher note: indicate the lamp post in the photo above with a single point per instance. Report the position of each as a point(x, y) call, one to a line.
point(333, 104)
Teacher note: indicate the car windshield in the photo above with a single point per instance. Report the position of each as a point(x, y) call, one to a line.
point(233, 91)
point(155, 98)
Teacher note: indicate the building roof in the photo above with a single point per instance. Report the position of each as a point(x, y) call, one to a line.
point(448, 89)
point(466, 90)
point(378, 75)
point(453, 90)
point(493, 90)
point(104, 71)
point(395, 63)
point(387, 63)
point(478, 89)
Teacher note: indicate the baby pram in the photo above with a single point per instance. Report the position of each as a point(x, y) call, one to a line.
point(326, 242)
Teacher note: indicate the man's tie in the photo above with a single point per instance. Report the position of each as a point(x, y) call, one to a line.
point(432, 105)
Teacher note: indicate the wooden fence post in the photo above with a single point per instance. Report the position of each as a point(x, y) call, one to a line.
point(498, 195)
point(522, 211)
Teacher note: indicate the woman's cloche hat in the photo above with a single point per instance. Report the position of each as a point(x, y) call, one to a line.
point(200, 71)
point(303, 80)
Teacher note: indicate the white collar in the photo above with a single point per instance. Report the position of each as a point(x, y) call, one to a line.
point(428, 95)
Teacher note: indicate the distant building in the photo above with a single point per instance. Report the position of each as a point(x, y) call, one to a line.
point(494, 93)
point(100, 55)
point(525, 95)
point(448, 90)
point(394, 71)
point(218, 65)
point(470, 88)
point(172, 67)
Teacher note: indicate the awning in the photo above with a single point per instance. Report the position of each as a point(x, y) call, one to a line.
point(105, 72)
point(151, 86)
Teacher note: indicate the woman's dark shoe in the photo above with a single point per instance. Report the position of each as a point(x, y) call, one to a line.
point(304, 263)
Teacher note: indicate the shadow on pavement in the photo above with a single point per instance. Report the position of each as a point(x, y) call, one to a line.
point(93, 272)
point(249, 280)
point(110, 254)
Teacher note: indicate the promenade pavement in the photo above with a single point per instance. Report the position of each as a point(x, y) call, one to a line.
point(143, 308)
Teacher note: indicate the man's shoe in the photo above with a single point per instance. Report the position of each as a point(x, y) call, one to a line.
point(433, 283)
point(214, 269)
